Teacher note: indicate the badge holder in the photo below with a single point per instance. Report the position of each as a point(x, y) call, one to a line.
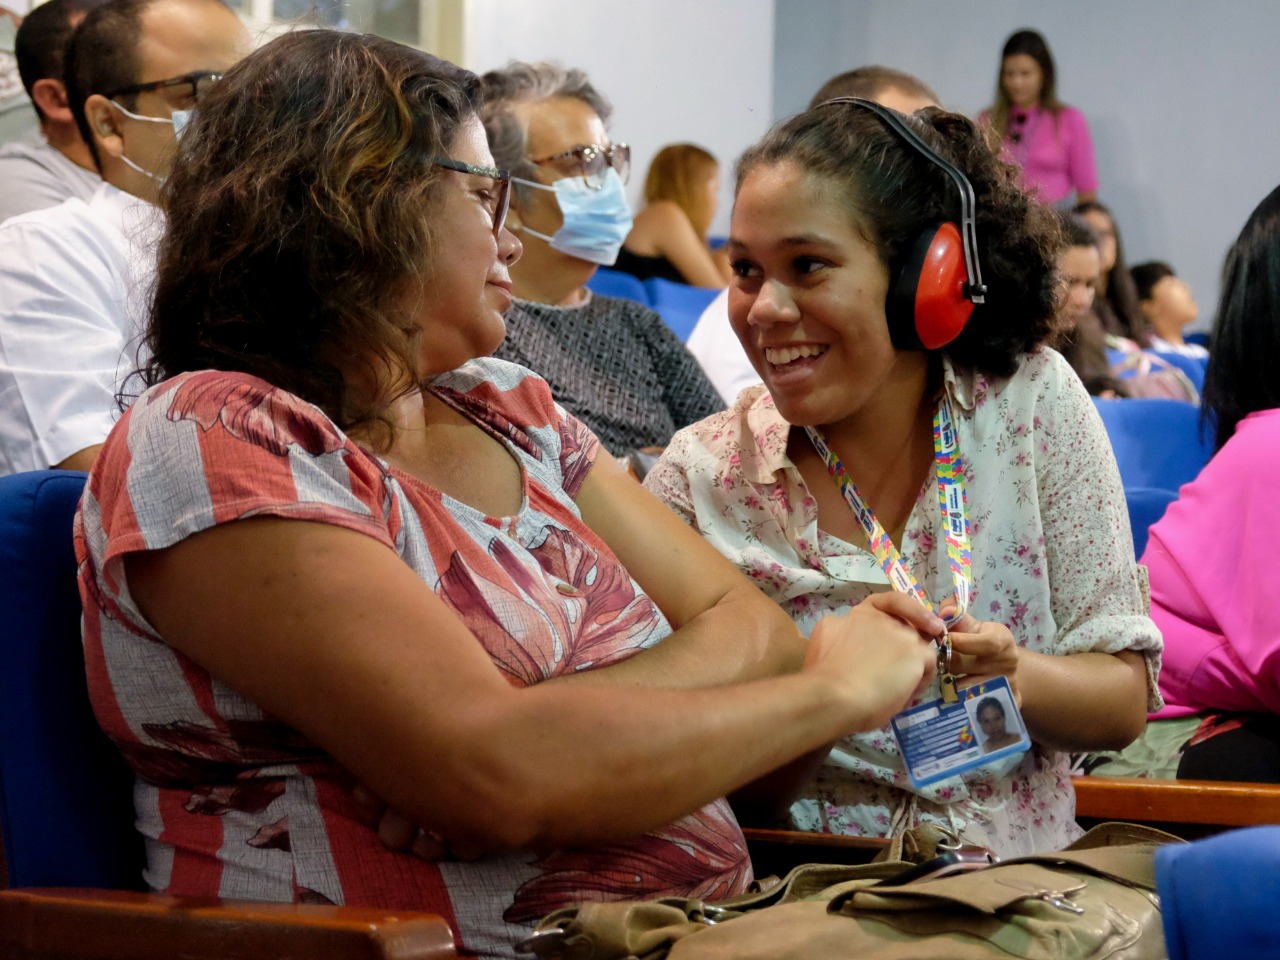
point(946, 737)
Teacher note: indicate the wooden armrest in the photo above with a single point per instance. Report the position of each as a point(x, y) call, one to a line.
point(1214, 802)
point(124, 925)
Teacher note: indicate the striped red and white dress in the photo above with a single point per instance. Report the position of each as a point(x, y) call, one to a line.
point(235, 804)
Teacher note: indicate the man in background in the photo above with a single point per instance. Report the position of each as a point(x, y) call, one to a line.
point(34, 175)
point(75, 278)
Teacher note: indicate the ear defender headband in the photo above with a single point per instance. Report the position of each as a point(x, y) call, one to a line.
point(939, 282)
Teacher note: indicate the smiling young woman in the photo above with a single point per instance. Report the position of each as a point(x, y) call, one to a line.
point(829, 207)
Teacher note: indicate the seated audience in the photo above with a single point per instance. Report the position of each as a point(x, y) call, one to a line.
point(1213, 580)
point(1168, 306)
point(713, 341)
point(1080, 335)
point(824, 205)
point(335, 542)
point(59, 166)
point(612, 362)
point(669, 236)
point(74, 278)
point(1117, 303)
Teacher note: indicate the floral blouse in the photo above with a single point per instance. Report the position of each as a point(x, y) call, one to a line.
point(1052, 559)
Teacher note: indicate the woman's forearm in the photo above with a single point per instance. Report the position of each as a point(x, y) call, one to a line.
point(1083, 701)
point(744, 636)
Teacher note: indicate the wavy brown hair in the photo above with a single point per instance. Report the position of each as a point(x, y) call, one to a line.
point(892, 193)
point(679, 172)
point(299, 215)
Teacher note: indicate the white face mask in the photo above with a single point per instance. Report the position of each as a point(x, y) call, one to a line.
point(596, 221)
point(178, 119)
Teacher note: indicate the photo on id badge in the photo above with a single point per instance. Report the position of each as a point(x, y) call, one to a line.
point(939, 740)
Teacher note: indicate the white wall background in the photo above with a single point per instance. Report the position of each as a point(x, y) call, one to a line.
point(1181, 97)
point(675, 70)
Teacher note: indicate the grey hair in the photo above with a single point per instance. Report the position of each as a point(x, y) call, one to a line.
point(521, 82)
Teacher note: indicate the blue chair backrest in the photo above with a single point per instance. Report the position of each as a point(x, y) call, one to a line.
point(1200, 337)
point(1193, 367)
point(1157, 443)
point(679, 304)
point(66, 796)
point(1218, 895)
point(1146, 506)
point(615, 283)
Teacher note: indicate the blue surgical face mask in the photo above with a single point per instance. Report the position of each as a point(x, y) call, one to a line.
point(178, 118)
point(596, 220)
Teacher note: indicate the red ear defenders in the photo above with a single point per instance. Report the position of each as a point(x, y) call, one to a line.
point(938, 282)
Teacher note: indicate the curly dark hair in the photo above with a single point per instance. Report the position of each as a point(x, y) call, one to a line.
point(893, 193)
point(299, 213)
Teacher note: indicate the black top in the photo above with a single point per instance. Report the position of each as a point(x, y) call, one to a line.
point(615, 365)
point(646, 267)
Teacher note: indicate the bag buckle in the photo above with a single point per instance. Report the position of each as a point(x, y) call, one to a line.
point(552, 943)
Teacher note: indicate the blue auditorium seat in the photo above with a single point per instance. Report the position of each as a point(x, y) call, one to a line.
point(66, 797)
point(1193, 367)
point(1146, 506)
point(1218, 895)
point(679, 304)
point(615, 283)
point(1157, 443)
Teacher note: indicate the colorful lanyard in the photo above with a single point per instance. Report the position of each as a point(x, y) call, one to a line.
point(951, 498)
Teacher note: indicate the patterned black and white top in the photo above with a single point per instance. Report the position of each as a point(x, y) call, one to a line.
point(614, 365)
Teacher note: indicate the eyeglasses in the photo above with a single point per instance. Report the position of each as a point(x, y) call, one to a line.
point(590, 161)
point(198, 82)
point(501, 177)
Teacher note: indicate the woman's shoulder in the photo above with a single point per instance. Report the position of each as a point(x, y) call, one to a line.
point(661, 213)
point(240, 405)
point(1040, 375)
point(1255, 443)
point(749, 430)
point(515, 392)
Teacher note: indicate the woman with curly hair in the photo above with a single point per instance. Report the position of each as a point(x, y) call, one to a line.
point(335, 543)
point(829, 209)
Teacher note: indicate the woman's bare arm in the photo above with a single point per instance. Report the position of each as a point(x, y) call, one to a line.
point(331, 632)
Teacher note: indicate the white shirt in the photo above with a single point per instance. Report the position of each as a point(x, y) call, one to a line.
point(1194, 350)
point(1052, 559)
point(35, 175)
point(75, 281)
point(718, 351)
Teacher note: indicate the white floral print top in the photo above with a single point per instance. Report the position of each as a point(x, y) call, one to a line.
point(1052, 559)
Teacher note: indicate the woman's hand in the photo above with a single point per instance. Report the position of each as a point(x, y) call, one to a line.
point(881, 649)
point(983, 649)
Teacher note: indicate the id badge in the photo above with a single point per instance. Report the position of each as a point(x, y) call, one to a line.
point(938, 740)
